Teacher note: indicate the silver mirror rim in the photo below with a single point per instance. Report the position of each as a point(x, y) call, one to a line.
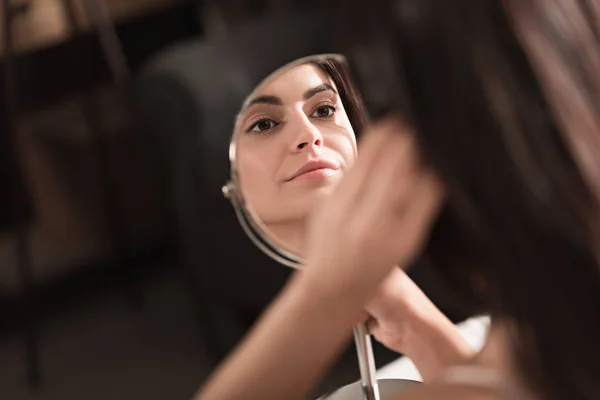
point(254, 232)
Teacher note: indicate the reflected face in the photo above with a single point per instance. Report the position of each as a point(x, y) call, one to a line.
point(294, 141)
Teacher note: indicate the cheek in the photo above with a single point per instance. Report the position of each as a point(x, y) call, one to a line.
point(349, 151)
point(343, 142)
point(256, 167)
point(251, 167)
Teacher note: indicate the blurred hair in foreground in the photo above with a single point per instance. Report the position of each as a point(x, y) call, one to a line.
point(504, 99)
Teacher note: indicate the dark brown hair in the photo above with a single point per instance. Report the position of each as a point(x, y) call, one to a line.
point(340, 74)
point(504, 98)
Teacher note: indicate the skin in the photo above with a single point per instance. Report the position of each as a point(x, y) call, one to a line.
point(316, 310)
point(308, 122)
point(346, 268)
point(404, 319)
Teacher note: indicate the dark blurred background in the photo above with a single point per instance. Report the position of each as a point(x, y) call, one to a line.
point(123, 272)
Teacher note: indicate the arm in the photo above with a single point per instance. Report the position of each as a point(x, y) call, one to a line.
point(288, 350)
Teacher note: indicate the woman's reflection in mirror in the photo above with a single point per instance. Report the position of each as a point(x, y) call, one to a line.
point(295, 137)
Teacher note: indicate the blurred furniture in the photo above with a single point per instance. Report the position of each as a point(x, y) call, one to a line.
point(98, 14)
point(54, 139)
point(15, 209)
point(43, 23)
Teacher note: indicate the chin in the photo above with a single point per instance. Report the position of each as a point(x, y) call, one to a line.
point(324, 190)
point(308, 201)
point(316, 196)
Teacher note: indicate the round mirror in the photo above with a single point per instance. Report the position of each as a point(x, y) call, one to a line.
point(294, 137)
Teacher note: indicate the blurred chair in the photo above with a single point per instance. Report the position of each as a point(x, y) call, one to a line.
point(15, 203)
point(98, 13)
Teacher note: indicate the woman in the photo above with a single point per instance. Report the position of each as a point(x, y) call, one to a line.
point(310, 112)
point(488, 165)
point(501, 103)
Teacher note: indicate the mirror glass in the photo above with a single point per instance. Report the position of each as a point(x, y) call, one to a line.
point(294, 137)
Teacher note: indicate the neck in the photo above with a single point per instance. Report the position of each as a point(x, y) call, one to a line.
point(289, 235)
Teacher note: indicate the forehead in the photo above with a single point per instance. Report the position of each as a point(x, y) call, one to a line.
point(292, 83)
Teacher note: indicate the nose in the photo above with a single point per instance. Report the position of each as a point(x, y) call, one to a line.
point(306, 136)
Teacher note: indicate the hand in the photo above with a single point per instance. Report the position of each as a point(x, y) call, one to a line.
point(400, 312)
point(405, 320)
point(377, 217)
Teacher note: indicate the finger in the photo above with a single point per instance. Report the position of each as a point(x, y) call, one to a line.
point(365, 317)
point(426, 200)
point(391, 179)
point(403, 177)
point(372, 325)
point(372, 145)
point(420, 212)
point(395, 177)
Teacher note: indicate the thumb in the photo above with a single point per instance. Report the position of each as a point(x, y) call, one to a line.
point(365, 317)
point(372, 325)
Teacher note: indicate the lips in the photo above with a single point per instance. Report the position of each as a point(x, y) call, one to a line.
point(314, 165)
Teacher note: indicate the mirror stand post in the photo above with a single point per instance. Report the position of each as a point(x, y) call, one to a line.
point(366, 362)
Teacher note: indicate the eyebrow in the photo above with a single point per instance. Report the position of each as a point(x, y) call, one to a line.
point(318, 89)
point(276, 101)
point(273, 100)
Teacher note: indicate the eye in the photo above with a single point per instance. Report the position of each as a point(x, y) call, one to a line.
point(262, 125)
point(324, 112)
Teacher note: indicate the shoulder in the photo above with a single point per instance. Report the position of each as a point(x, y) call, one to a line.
point(448, 392)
